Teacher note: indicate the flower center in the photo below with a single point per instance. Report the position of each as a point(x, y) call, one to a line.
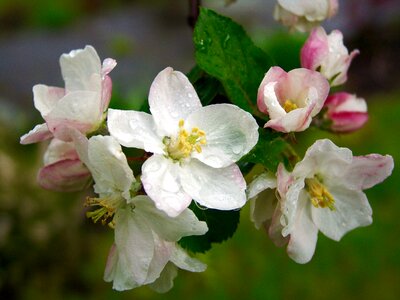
point(289, 106)
point(185, 143)
point(320, 196)
point(108, 206)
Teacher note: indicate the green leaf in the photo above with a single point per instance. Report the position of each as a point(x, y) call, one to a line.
point(207, 87)
point(221, 226)
point(224, 51)
point(270, 150)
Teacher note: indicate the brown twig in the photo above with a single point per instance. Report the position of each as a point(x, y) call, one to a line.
point(194, 10)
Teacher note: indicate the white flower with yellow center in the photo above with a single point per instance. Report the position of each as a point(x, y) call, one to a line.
point(145, 249)
point(194, 148)
point(325, 193)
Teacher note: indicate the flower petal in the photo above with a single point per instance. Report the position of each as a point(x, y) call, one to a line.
point(79, 110)
point(109, 166)
point(81, 70)
point(160, 178)
point(304, 234)
point(134, 129)
point(311, 9)
point(59, 150)
point(274, 74)
point(37, 134)
point(135, 245)
point(230, 133)
point(172, 98)
point(65, 176)
point(352, 210)
point(367, 171)
point(170, 229)
point(45, 98)
point(182, 260)
point(315, 49)
point(222, 189)
point(166, 280)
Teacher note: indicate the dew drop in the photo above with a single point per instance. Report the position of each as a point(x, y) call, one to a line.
point(237, 149)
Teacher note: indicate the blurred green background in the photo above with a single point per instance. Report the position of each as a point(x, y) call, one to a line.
point(49, 250)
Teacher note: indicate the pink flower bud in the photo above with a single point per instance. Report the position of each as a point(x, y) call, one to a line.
point(346, 112)
point(328, 55)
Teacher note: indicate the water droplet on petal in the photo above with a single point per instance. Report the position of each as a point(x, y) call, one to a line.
point(237, 149)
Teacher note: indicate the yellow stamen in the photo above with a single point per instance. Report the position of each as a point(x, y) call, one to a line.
point(320, 196)
point(289, 106)
point(185, 143)
point(106, 211)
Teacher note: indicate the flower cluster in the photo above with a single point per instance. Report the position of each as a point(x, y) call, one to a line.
point(195, 155)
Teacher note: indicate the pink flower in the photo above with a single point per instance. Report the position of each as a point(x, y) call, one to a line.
point(328, 55)
point(291, 99)
point(63, 170)
point(303, 15)
point(80, 105)
point(346, 112)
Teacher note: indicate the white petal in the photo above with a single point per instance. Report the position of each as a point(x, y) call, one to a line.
point(166, 280)
point(367, 171)
point(134, 129)
point(37, 134)
point(162, 253)
point(303, 236)
point(46, 97)
point(80, 110)
point(170, 229)
point(109, 166)
point(313, 10)
point(135, 245)
point(182, 260)
point(262, 198)
point(222, 188)
point(352, 210)
point(160, 178)
point(230, 133)
point(81, 70)
point(324, 158)
point(172, 97)
point(271, 102)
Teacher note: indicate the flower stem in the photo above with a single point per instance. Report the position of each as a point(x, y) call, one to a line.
point(194, 10)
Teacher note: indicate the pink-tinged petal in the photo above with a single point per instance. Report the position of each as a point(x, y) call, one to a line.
point(108, 65)
point(81, 70)
point(172, 98)
point(59, 150)
point(296, 120)
point(37, 134)
point(230, 133)
point(135, 129)
point(315, 49)
point(352, 210)
point(275, 227)
point(346, 122)
point(304, 86)
point(106, 93)
point(45, 98)
point(160, 178)
point(274, 74)
point(222, 188)
point(366, 171)
point(80, 110)
point(64, 176)
point(303, 236)
point(342, 77)
point(271, 102)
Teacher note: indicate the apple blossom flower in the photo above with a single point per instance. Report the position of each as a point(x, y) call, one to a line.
point(303, 15)
point(327, 54)
point(145, 249)
point(345, 112)
point(291, 99)
point(194, 148)
point(81, 104)
point(325, 193)
point(63, 170)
